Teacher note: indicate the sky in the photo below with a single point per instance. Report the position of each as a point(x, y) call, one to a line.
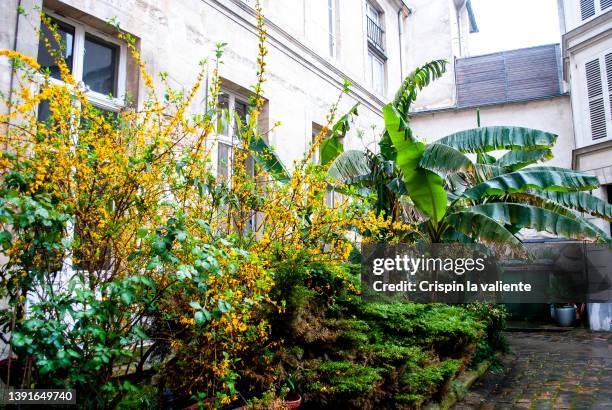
point(511, 24)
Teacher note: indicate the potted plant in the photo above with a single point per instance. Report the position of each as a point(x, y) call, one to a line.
point(293, 400)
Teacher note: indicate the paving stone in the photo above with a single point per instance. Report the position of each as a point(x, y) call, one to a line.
point(547, 370)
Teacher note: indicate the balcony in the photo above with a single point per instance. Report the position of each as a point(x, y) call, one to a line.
point(375, 35)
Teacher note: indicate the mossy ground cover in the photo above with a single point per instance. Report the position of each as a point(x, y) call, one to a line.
point(343, 352)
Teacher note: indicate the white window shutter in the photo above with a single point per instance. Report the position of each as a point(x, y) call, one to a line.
point(608, 61)
point(597, 110)
point(605, 4)
point(587, 9)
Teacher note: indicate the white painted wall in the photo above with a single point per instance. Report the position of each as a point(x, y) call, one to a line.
point(552, 115)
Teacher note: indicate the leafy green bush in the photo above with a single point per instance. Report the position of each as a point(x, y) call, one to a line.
point(349, 353)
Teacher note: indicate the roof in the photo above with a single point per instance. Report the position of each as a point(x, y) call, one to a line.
point(509, 76)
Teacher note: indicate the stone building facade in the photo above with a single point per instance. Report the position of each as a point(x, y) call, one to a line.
point(314, 46)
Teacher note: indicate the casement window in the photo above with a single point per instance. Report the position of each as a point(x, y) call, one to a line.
point(376, 73)
point(96, 60)
point(598, 74)
point(376, 59)
point(374, 25)
point(591, 8)
point(98, 63)
point(235, 110)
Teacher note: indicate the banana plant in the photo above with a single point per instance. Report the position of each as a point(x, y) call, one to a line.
point(490, 199)
point(462, 191)
point(380, 172)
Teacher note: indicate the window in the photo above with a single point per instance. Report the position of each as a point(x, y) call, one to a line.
point(375, 32)
point(45, 59)
point(598, 73)
point(98, 62)
point(95, 59)
point(376, 73)
point(590, 8)
point(376, 49)
point(235, 110)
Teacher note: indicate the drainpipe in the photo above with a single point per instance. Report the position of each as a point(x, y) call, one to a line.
point(399, 42)
point(459, 4)
point(400, 32)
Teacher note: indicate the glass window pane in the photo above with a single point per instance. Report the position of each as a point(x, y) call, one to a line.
point(223, 106)
point(378, 75)
point(223, 159)
point(45, 59)
point(240, 109)
point(372, 13)
point(100, 65)
point(44, 112)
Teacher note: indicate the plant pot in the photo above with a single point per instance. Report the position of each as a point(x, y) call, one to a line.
point(565, 315)
point(293, 401)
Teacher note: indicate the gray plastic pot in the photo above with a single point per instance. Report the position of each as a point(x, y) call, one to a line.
point(565, 315)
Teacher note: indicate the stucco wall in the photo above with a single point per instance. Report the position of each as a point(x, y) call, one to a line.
point(553, 115)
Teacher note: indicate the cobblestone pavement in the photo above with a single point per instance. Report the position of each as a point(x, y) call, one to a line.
point(545, 370)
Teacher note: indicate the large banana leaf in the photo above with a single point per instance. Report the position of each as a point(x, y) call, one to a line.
point(387, 150)
point(349, 165)
point(332, 146)
point(485, 139)
point(579, 201)
point(425, 188)
point(546, 178)
point(329, 149)
point(515, 160)
point(445, 159)
point(414, 82)
point(481, 227)
point(526, 216)
point(488, 171)
point(267, 159)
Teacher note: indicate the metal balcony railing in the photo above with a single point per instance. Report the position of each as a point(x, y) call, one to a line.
point(375, 34)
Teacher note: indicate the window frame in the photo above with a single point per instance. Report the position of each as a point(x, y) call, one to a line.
point(231, 140)
point(81, 30)
point(371, 57)
point(371, 6)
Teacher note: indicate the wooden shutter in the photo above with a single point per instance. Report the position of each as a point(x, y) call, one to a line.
point(597, 110)
point(587, 8)
point(608, 60)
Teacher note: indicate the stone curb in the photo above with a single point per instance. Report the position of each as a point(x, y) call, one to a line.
point(466, 380)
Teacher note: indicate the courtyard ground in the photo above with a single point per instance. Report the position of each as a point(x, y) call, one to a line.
point(548, 370)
